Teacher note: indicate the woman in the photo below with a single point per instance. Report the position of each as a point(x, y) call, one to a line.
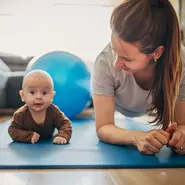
point(141, 70)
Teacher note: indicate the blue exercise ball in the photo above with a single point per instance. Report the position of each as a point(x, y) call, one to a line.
point(71, 79)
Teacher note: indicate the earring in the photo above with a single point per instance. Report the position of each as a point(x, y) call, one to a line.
point(155, 59)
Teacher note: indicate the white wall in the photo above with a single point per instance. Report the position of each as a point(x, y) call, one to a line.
point(32, 27)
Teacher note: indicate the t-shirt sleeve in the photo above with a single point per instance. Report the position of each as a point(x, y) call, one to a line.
point(181, 94)
point(102, 81)
point(17, 131)
point(62, 123)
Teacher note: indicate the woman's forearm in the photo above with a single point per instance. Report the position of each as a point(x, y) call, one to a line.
point(115, 135)
point(181, 127)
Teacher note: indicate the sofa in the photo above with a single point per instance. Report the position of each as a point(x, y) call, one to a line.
point(12, 70)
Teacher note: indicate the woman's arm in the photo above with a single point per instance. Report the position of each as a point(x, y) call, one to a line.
point(106, 129)
point(180, 115)
point(177, 129)
point(147, 142)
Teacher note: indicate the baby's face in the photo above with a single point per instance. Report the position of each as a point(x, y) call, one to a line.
point(38, 94)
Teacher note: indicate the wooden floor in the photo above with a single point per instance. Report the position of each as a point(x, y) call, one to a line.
point(92, 177)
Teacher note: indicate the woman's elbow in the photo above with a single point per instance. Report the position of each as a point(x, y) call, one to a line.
point(100, 133)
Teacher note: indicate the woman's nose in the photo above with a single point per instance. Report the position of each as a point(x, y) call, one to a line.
point(118, 63)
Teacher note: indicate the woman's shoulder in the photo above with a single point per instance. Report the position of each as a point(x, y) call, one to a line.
point(105, 55)
point(105, 60)
point(104, 63)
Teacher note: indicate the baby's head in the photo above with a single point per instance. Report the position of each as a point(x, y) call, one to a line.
point(37, 90)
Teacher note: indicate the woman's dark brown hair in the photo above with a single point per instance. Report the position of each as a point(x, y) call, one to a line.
point(153, 23)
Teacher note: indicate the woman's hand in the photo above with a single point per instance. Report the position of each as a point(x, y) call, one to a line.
point(177, 140)
point(152, 141)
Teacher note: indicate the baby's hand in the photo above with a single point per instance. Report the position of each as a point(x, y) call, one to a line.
point(35, 138)
point(59, 140)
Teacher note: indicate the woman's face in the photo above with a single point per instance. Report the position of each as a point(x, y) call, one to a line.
point(128, 56)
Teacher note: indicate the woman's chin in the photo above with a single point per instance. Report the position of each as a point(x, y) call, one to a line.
point(127, 71)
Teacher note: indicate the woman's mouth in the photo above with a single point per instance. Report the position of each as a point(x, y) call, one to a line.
point(125, 68)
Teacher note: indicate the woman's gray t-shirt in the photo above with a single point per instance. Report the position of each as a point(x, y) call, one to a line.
point(130, 99)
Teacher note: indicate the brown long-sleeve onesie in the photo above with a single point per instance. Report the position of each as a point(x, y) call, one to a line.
point(23, 125)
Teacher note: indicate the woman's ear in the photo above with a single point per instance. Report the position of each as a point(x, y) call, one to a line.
point(21, 95)
point(158, 52)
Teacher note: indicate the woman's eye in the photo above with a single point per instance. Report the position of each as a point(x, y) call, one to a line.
point(127, 60)
point(44, 93)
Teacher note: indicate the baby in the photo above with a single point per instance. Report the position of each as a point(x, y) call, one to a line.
point(38, 118)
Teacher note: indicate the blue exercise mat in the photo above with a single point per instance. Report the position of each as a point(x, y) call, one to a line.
point(84, 151)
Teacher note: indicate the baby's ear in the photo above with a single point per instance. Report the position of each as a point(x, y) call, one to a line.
point(21, 95)
point(53, 93)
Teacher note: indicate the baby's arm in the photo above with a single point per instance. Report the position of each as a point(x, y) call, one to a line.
point(16, 129)
point(63, 124)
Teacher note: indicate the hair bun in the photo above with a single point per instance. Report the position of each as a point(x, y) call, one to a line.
point(154, 2)
point(162, 1)
point(157, 2)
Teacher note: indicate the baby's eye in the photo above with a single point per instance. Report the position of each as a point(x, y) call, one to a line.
point(32, 92)
point(44, 93)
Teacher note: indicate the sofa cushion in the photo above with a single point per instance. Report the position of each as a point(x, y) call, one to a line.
point(4, 67)
point(15, 62)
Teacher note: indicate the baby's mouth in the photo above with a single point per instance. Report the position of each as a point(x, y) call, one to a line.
point(38, 104)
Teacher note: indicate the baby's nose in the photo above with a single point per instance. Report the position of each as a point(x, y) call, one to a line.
point(38, 96)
